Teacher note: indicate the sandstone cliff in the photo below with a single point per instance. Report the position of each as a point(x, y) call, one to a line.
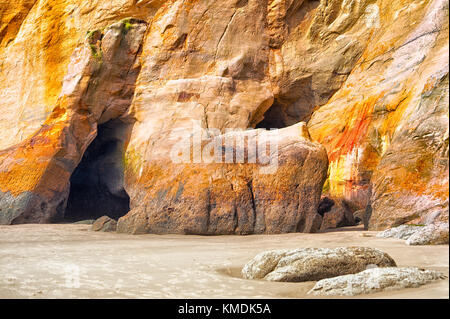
point(102, 92)
point(388, 145)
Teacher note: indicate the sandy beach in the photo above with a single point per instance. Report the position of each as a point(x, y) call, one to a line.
point(70, 261)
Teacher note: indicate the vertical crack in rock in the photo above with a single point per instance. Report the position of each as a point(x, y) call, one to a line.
point(224, 33)
point(250, 188)
point(209, 205)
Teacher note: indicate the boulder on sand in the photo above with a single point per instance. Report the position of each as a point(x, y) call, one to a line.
point(400, 232)
point(433, 234)
point(105, 224)
point(309, 264)
point(374, 280)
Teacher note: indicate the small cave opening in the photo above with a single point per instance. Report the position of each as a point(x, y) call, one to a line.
point(97, 184)
point(286, 112)
point(274, 118)
point(325, 206)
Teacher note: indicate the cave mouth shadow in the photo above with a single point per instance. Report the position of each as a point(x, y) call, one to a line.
point(274, 118)
point(97, 184)
point(284, 113)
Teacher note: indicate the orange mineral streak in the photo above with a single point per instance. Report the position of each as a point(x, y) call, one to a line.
point(417, 177)
point(375, 52)
point(55, 48)
point(359, 122)
point(415, 182)
point(12, 15)
point(396, 111)
point(30, 160)
point(25, 165)
point(359, 118)
point(181, 174)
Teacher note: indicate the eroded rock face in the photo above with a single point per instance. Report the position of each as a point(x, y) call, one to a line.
point(37, 40)
point(314, 47)
point(375, 94)
point(34, 174)
point(386, 128)
point(214, 74)
point(310, 264)
point(410, 183)
point(375, 280)
point(196, 69)
point(229, 198)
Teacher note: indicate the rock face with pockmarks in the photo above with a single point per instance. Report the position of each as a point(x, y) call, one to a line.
point(400, 232)
point(434, 234)
point(310, 264)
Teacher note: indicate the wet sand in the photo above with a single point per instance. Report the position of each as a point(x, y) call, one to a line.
point(70, 261)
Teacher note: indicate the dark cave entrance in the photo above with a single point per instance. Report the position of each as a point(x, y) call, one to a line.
point(97, 184)
point(286, 112)
point(274, 118)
